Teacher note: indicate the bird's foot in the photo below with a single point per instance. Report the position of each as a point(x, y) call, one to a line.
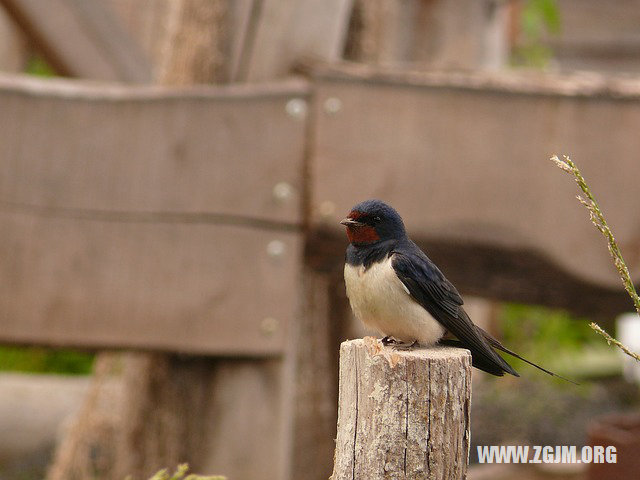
point(405, 345)
point(397, 344)
point(388, 340)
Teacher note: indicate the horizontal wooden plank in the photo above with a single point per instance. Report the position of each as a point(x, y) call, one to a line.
point(197, 288)
point(106, 147)
point(464, 158)
point(81, 38)
point(537, 83)
point(597, 36)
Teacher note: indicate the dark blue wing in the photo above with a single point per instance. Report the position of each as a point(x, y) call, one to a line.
point(429, 287)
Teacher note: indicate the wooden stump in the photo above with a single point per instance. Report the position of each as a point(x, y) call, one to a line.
point(402, 414)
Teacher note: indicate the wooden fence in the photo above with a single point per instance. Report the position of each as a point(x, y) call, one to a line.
point(149, 202)
point(203, 220)
point(175, 219)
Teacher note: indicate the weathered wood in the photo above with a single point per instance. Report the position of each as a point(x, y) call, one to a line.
point(88, 446)
point(432, 33)
point(222, 416)
point(109, 148)
point(402, 414)
point(195, 43)
point(13, 46)
point(463, 157)
point(146, 21)
point(157, 285)
point(288, 31)
point(81, 38)
point(313, 354)
point(248, 420)
point(74, 180)
point(597, 36)
point(243, 19)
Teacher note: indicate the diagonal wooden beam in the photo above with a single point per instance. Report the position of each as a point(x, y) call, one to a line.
point(285, 32)
point(81, 38)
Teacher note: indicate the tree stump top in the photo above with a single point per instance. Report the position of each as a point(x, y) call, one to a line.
point(402, 414)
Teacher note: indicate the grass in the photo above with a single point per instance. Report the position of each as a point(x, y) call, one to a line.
point(538, 18)
point(598, 219)
point(556, 340)
point(45, 360)
point(181, 474)
point(39, 67)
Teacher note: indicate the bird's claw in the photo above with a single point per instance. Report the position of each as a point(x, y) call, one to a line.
point(397, 344)
point(405, 345)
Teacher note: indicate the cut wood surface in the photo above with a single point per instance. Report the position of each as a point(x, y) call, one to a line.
point(464, 159)
point(81, 38)
point(402, 414)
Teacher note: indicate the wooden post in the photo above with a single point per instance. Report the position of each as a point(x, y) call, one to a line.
point(402, 414)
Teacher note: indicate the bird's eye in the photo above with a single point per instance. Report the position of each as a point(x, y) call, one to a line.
point(376, 219)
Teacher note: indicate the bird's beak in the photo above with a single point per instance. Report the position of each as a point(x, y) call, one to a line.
point(350, 222)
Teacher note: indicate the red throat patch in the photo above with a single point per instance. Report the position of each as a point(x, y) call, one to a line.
point(364, 234)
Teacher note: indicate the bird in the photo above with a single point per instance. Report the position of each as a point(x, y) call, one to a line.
point(395, 288)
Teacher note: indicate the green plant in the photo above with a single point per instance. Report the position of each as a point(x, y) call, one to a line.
point(45, 360)
point(543, 330)
point(555, 338)
point(181, 474)
point(39, 67)
point(597, 218)
point(537, 18)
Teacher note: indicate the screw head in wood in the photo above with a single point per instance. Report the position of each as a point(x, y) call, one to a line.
point(332, 105)
point(269, 326)
point(276, 249)
point(282, 192)
point(296, 108)
point(326, 209)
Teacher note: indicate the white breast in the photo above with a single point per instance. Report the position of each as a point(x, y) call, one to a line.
point(380, 300)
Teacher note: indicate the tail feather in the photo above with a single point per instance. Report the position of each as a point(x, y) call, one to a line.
point(483, 355)
point(483, 362)
point(489, 365)
point(496, 344)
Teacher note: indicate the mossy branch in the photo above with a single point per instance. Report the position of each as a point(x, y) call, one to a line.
point(597, 218)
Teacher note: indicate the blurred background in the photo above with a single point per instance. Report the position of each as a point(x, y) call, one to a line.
point(172, 174)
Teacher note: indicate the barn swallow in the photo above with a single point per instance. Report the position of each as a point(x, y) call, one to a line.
point(393, 287)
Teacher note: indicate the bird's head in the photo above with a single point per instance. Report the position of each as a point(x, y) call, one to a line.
point(373, 221)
